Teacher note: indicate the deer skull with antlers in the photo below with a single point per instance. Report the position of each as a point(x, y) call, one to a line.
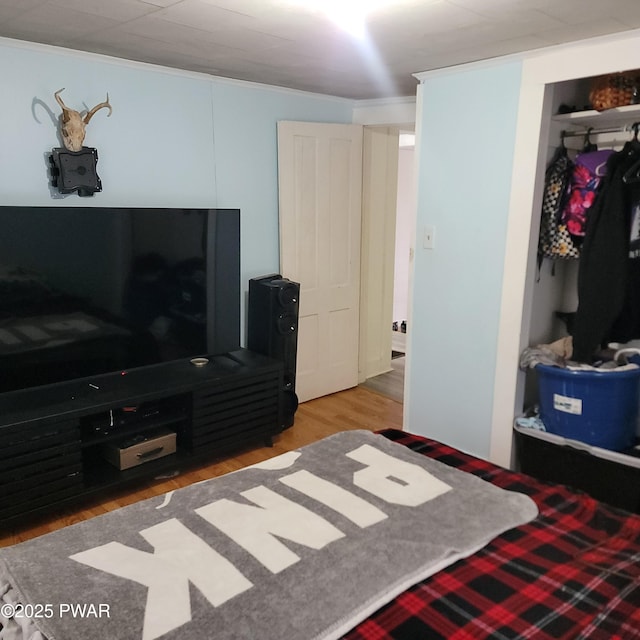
point(73, 123)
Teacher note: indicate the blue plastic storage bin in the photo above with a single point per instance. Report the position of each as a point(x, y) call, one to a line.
point(595, 407)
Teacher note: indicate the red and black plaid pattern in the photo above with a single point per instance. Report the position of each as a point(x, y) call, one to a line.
point(573, 572)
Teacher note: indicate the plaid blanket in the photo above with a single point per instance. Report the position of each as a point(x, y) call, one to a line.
point(573, 572)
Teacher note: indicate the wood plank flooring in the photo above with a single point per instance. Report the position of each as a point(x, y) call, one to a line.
point(391, 383)
point(357, 408)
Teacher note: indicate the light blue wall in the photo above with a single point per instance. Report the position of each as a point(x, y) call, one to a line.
point(174, 139)
point(160, 122)
point(466, 130)
point(246, 170)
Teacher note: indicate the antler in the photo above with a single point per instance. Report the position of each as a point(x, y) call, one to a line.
point(102, 105)
point(59, 99)
point(73, 125)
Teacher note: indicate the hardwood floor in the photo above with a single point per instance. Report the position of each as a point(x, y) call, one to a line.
point(390, 384)
point(357, 408)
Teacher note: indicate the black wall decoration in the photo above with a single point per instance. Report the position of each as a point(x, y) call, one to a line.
point(75, 171)
point(74, 168)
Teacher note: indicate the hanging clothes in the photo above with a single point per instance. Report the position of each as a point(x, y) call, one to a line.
point(554, 240)
point(608, 278)
point(588, 171)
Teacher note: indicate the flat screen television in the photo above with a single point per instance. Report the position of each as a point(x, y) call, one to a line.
point(91, 290)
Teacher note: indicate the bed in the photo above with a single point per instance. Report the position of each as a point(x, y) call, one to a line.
point(570, 569)
point(573, 572)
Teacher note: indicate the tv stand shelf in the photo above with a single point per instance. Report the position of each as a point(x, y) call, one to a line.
point(51, 438)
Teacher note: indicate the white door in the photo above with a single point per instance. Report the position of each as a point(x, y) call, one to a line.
point(320, 182)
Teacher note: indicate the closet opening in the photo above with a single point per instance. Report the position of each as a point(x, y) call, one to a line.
point(531, 296)
point(582, 298)
point(590, 137)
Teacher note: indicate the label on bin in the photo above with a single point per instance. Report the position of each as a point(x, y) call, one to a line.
point(566, 404)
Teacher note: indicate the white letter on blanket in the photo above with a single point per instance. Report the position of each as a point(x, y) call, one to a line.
point(412, 486)
point(179, 557)
point(254, 528)
point(351, 506)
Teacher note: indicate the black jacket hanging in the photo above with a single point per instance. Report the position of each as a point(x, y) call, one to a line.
point(606, 272)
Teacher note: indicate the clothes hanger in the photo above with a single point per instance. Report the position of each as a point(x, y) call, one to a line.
point(587, 144)
point(633, 145)
point(561, 150)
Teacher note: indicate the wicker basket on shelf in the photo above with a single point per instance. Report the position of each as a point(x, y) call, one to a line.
point(615, 90)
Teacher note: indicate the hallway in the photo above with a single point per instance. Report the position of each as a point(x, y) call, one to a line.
point(390, 384)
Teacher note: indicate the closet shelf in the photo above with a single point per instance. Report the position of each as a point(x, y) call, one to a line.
point(618, 115)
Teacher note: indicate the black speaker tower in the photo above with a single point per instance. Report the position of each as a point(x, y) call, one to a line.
point(273, 331)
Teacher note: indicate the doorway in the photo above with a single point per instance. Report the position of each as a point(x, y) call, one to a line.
point(391, 382)
point(376, 267)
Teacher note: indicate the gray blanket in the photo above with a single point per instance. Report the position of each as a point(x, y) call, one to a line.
point(300, 547)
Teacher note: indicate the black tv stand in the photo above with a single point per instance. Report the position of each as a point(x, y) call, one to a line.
point(52, 438)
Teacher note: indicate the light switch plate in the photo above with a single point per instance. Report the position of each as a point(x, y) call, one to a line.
point(429, 239)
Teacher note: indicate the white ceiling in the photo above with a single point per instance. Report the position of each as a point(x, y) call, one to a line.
point(274, 42)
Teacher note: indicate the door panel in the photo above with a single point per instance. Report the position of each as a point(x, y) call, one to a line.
point(320, 178)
